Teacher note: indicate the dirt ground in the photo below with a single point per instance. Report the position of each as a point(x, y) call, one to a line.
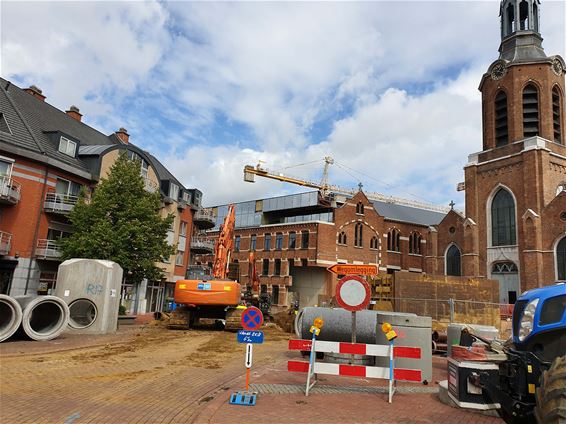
point(142, 374)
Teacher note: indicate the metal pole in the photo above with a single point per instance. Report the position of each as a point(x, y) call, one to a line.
point(353, 335)
point(451, 303)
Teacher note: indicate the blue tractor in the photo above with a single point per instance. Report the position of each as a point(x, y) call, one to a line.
point(531, 383)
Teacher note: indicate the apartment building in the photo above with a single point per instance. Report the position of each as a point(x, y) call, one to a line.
point(46, 157)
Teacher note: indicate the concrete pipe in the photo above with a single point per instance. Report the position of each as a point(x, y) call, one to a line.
point(337, 324)
point(10, 316)
point(44, 317)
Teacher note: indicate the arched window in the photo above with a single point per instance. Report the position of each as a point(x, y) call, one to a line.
point(503, 228)
point(415, 243)
point(360, 208)
point(393, 240)
point(561, 260)
point(342, 238)
point(453, 262)
point(510, 19)
point(556, 105)
point(501, 131)
point(374, 243)
point(530, 111)
point(524, 15)
point(358, 239)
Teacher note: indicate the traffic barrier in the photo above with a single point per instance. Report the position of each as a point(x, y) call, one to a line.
point(399, 374)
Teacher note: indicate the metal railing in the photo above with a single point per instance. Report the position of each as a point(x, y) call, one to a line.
point(204, 218)
point(59, 202)
point(202, 243)
point(10, 190)
point(5, 242)
point(48, 249)
point(446, 311)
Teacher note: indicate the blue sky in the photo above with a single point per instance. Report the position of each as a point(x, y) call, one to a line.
point(386, 88)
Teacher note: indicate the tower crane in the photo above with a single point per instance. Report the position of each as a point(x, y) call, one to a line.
point(327, 189)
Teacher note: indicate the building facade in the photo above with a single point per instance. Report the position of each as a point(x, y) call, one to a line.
point(46, 157)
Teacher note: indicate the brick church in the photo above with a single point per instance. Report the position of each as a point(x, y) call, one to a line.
point(514, 226)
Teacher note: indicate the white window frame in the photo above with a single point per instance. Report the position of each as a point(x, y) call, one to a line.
point(10, 163)
point(63, 141)
point(174, 188)
point(186, 196)
point(183, 229)
point(181, 256)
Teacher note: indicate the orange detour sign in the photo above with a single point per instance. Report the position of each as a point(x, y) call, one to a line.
point(351, 269)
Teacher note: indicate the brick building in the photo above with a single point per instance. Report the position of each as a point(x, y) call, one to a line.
point(46, 157)
point(514, 226)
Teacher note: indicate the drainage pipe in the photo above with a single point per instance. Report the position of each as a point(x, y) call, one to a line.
point(44, 317)
point(10, 316)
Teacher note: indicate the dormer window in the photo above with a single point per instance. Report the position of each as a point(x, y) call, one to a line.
point(187, 196)
point(67, 146)
point(174, 191)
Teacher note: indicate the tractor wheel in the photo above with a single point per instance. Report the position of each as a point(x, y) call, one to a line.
point(551, 395)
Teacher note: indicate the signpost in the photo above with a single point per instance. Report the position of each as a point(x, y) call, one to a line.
point(351, 269)
point(353, 294)
point(252, 320)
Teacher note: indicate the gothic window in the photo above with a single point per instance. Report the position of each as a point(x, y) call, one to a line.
point(393, 240)
point(503, 228)
point(374, 243)
point(453, 262)
point(342, 238)
point(360, 208)
point(530, 111)
point(556, 104)
point(501, 131)
point(415, 243)
point(358, 239)
point(561, 260)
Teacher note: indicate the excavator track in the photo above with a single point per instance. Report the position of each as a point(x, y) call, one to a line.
point(180, 319)
point(234, 319)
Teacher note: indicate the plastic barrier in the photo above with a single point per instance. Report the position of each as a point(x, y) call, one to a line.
point(399, 374)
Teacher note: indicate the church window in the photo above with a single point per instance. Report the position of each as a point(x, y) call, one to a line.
point(374, 243)
point(393, 240)
point(530, 111)
point(556, 115)
point(358, 240)
point(360, 208)
point(342, 238)
point(561, 260)
point(501, 131)
point(415, 243)
point(453, 261)
point(503, 228)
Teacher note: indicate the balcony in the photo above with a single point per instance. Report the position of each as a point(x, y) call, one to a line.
point(204, 219)
point(10, 191)
point(5, 243)
point(202, 245)
point(149, 185)
point(48, 249)
point(59, 203)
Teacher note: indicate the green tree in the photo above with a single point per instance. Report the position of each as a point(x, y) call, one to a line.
point(121, 223)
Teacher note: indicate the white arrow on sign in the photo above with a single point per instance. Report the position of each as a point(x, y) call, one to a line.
point(249, 352)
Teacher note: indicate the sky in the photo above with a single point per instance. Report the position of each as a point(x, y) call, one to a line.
point(389, 89)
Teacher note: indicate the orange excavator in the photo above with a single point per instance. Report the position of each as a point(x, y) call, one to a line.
point(211, 296)
point(252, 295)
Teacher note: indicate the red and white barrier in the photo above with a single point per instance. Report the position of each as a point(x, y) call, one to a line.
point(402, 374)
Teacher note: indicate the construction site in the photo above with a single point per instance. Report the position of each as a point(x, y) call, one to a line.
point(328, 304)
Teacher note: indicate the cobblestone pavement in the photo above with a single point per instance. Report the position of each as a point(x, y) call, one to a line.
point(153, 375)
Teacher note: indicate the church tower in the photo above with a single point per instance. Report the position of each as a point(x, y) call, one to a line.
point(515, 186)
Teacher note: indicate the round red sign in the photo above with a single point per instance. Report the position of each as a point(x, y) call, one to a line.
point(353, 293)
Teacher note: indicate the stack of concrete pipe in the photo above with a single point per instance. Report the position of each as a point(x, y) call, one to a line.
point(39, 318)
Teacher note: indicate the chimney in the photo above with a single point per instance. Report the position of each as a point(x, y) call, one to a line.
point(123, 135)
point(35, 92)
point(74, 113)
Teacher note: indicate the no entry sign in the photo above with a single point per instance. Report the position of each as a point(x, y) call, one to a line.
point(353, 293)
point(252, 318)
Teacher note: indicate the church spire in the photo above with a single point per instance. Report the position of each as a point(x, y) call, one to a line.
point(520, 30)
